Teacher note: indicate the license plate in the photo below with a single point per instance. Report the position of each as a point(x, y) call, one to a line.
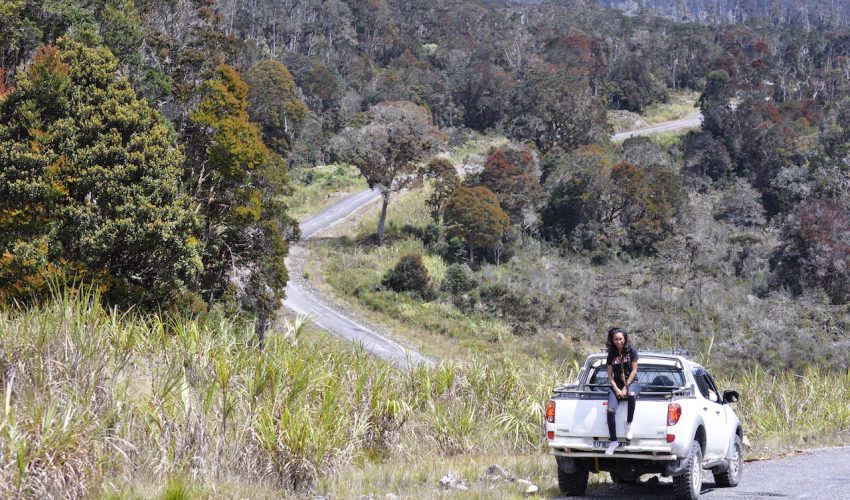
point(604, 444)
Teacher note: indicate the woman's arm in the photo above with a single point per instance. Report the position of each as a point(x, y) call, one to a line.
point(617, 391)
point(633, 373)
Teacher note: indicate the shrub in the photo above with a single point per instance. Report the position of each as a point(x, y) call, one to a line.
point(459, 279)
point(740, 205)
point(410, 275)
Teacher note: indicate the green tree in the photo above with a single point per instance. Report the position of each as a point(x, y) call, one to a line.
point(395, 135)
point(553, 108)
point(578, 186)
point(89, 182)
point(715, 104)
point(474, 214)
point(273, 103)
point(446, 181)
point(238, 183)
point(646, 204)
point(410, 275)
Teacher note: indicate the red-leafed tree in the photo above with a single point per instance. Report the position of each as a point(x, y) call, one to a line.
point(815, 251)
point(512, 175)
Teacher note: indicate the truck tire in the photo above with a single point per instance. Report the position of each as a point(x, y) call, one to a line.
point(688, 485)
point(573, 484)
point(731, 476)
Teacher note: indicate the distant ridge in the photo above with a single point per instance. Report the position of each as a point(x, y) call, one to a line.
point(808, 13)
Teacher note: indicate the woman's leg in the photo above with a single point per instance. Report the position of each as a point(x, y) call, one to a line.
point(633, 394)
point(613, 404)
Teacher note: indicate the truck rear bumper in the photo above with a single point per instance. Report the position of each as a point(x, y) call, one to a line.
point(643, 454)
point(639, 449)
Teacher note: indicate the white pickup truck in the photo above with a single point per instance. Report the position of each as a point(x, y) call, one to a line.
point(682, 425)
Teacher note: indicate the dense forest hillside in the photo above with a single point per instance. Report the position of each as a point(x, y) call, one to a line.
point(150, 149)
point(813, 14)
point(236, 89)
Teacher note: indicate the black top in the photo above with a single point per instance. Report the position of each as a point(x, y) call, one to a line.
point(622, 365)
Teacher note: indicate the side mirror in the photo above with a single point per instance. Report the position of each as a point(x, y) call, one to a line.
point(731, 396)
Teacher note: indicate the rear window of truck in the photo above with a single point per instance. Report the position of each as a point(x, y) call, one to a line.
point(652, 378)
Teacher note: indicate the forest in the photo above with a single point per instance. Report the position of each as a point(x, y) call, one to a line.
point(149, 152)
point(145, 145)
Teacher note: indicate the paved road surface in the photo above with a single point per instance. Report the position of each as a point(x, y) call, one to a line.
point(304, 302)
point(337, 212)
point(819, 474)
point(692, 120)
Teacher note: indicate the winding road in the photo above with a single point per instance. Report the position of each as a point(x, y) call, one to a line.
point(323, 313)
point(328, 316)
point(691, 120)
point(818, 474)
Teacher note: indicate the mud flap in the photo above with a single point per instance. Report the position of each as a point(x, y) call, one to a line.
point(676, 468)
point(566, 465)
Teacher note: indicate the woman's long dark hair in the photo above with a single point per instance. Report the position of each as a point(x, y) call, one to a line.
point(612, 349)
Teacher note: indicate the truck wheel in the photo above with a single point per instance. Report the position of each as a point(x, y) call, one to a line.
point(688, 485)
point(573, 484)
point(731, 476)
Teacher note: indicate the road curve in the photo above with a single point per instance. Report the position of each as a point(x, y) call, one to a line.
point(692, 120)
point(814, 475)
point(304, 302)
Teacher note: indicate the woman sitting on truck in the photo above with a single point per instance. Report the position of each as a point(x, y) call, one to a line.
point(622, 370)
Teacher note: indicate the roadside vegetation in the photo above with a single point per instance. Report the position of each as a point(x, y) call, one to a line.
point(679, 105)
point(99, 403)
point(316, 188)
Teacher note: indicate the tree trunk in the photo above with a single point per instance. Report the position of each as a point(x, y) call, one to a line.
point(262, 326)
point(383, 217)
point(260, 329)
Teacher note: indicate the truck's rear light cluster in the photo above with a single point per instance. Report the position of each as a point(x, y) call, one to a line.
point(671, 438)
point(550, 412)
point(550, 435)
point(674, 413)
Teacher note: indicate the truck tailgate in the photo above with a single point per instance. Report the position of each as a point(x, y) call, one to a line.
point(581, 417)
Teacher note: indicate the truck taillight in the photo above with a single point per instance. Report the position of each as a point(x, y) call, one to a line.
point(674, 413)
point(550, 412)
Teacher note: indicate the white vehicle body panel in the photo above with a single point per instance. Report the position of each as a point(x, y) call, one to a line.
point(580, 426)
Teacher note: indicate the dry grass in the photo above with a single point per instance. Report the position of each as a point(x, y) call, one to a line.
point(100, 403)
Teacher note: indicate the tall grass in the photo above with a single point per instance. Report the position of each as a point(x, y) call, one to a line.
point(96, 402)
point(792, 409)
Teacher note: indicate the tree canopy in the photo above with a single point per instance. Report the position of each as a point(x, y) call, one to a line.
point(89, 182)
point(392, 137)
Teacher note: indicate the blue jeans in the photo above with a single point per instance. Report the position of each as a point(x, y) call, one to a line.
point(614, 403)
